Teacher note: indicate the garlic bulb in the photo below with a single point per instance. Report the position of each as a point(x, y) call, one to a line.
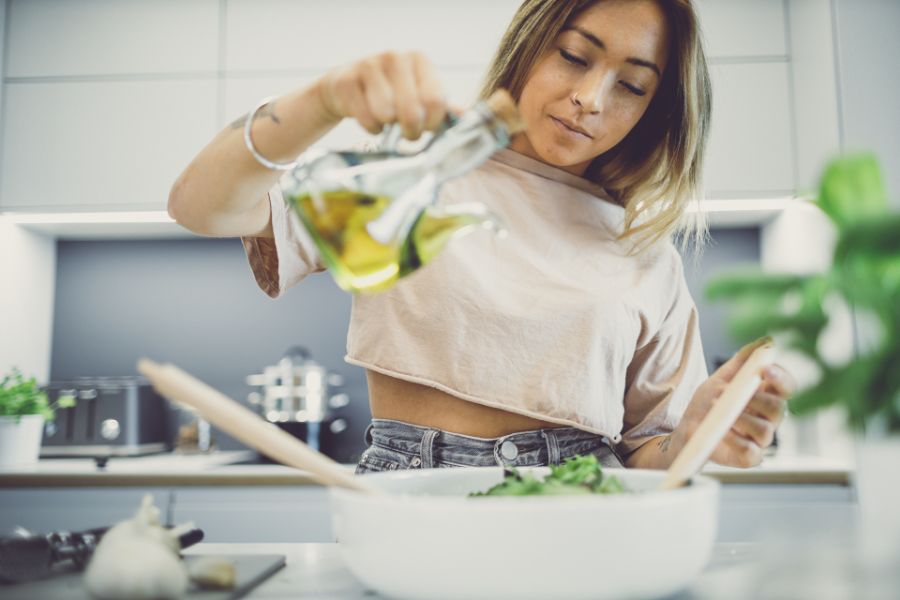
point(137, 559)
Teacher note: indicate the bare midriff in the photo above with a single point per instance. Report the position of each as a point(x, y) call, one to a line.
point(400, 400)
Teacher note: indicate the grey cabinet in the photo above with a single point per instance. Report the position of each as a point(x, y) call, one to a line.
point(224, 513)
point(748, 512)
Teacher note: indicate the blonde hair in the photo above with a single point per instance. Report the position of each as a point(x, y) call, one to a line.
point(655, 171)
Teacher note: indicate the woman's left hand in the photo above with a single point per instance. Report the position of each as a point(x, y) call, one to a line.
point(755, 428)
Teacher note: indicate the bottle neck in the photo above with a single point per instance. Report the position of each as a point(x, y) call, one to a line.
point(469, 142)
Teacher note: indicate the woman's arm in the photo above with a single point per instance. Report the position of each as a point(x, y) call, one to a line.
point(656, 453)
point(222, 192)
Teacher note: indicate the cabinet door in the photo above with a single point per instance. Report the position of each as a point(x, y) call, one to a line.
point(101, 145)
point(750, 151)
point(48, 38)
point(743, 28)
point(310, 35)
point(43, 510)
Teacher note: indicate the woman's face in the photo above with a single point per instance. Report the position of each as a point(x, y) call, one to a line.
point(594, 84)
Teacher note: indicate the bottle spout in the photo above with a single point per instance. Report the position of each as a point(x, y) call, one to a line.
point(436, 227)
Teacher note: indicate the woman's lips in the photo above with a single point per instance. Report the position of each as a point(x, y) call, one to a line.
point(562, 126)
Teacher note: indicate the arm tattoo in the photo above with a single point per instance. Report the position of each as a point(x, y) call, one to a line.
point(663, 444)
point(266, 111)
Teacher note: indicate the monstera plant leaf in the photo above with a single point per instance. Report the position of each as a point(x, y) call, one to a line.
point(852, 190)
point(864, 275)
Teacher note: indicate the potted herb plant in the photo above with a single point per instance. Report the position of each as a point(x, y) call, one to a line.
point(862, 284)
point(23, 410)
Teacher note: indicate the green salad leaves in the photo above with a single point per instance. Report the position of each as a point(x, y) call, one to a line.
point(577, 475)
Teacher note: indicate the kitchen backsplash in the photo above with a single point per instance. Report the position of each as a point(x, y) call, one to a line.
point(194, 303)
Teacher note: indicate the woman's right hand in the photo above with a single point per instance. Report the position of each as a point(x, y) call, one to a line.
point(391, 87)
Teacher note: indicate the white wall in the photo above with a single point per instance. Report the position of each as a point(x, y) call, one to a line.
point(27, 284)
point(27, 277)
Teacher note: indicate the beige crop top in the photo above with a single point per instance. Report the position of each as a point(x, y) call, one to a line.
point(555, 321)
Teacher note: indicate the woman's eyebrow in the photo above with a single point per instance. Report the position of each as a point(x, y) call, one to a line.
point(599, 43)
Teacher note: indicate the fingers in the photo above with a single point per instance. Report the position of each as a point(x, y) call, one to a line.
point(408, 105)
point(736, 450)
point(392, 87)
point(431, 93)
point(378, 92)
point(728, 370)
point(767, 406)
point(779, 381)
point(757, 429)
point(361, 109)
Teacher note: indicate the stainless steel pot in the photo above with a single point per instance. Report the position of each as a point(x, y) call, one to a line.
point(302, 397)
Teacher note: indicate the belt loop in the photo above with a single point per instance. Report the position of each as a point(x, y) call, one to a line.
point(614, 451)
point(367, 436)
point(552, 446)
point(427, 452)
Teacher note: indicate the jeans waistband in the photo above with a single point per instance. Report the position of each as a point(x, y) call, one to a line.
point(525, 448)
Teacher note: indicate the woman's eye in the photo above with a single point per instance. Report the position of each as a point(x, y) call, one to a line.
point(572, 58)
point(634, 90)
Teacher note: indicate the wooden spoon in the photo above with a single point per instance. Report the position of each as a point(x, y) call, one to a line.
point(720, 418)
point(247, 426)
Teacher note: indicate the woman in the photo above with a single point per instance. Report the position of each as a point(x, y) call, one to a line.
point(577, 334)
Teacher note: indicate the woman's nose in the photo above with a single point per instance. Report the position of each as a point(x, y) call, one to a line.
point(593, 95)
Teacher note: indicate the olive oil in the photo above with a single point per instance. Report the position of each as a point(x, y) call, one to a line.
point(337, 222)
point(374, 215)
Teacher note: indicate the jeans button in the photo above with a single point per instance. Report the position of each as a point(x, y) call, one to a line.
point(509, 450)
point(415, 462)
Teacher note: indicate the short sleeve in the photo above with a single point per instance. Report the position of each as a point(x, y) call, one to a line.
point(664, 374)
point(283, 261)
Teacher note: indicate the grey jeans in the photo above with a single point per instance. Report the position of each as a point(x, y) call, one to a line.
point(396, 445)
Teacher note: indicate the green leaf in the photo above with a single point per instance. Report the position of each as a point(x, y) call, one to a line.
point(752, 283)
point(65, 401)
point(879, 236)
point(852, 189)
point(577, 475)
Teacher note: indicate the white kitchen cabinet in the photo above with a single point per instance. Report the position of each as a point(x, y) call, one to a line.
point(99, 145)
point(49, 38)
point(751, 150)
point(309, 35)
point(743, 28)
point(101, 95)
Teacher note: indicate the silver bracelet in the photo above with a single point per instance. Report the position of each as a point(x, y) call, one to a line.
point(248, 141)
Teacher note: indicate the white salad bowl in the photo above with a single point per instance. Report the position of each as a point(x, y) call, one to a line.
point(425, 539)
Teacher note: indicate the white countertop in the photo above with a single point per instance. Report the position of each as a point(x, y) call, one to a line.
point(217, 468)
point(799, 570)
point(318, 571)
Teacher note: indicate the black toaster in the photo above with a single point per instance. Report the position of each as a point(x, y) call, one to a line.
point(112, 416)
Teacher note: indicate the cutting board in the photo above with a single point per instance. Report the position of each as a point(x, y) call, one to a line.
point(250, 571)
